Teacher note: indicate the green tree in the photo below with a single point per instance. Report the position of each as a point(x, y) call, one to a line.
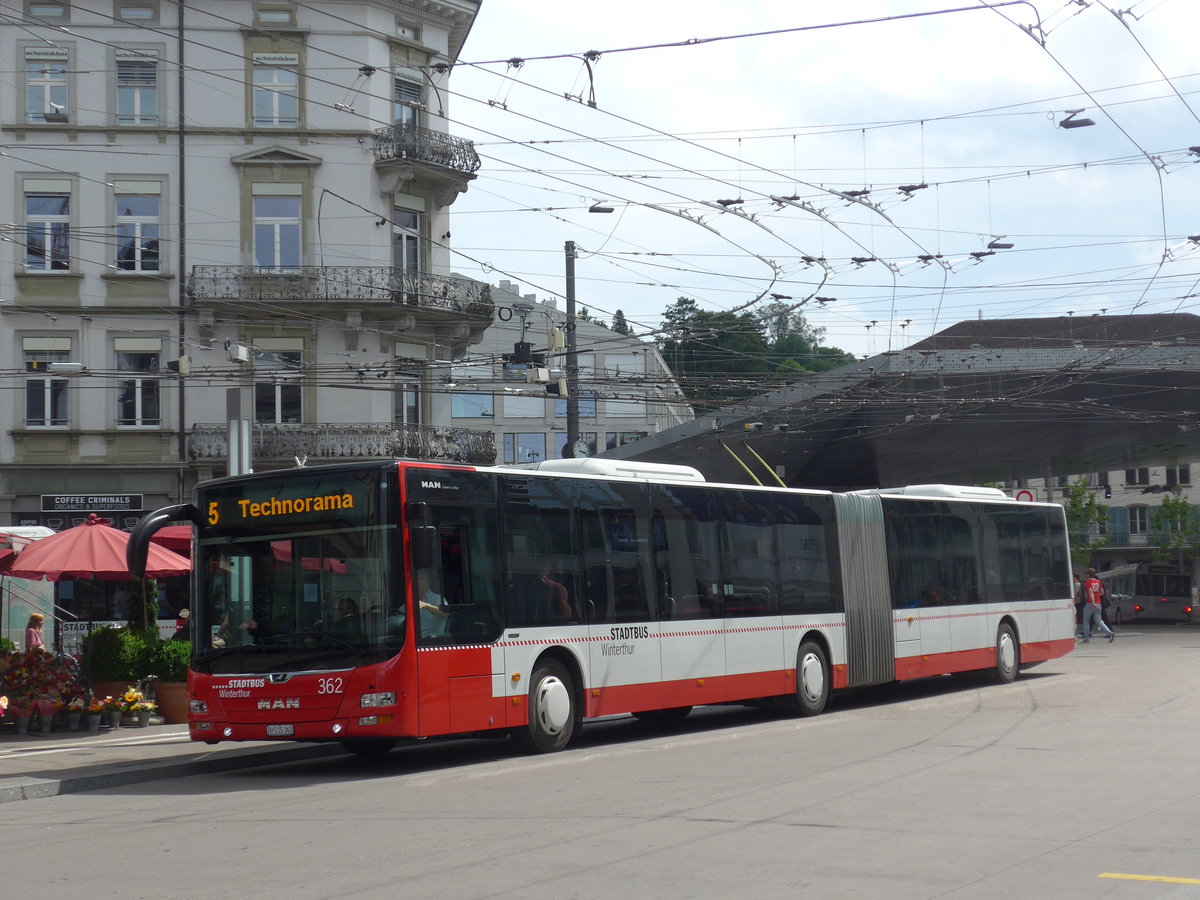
point(721, 358)
point(1082, 513)
point(619, 324)
point(1175, 524)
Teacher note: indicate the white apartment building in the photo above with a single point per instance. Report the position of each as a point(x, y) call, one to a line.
point(1129, 496)
point(625, 390)
point(263, 238)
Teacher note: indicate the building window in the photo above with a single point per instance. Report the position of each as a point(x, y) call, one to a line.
point(277, 390)
point(1139, 520)
point(625, 407)
point(47, 232)
point(137, 221)
point(407, 92)
point(275, 15)
point(277, 234)
point(407, 31)
point(1137, 476)
point(520, 406)
point(587, 406)
point(471, 405)
point(407, 392)
point(46, 396)
point(46, 85)
point(406, 240)
point(137, 383)
point(144, 13)
point(276, 101)
point(524, 447)
point(1181, 475)
point(137, 88)
point(50, 13)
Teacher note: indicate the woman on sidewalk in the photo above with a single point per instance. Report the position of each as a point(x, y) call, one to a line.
point(33, 632)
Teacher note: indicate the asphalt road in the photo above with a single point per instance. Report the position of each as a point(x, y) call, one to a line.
point(1076, 781)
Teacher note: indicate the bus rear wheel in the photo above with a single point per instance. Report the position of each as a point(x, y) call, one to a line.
point(551, 709)
point(1008, 654)
point(812, 679)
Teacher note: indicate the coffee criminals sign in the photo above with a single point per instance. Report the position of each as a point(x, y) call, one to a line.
point(91, 502)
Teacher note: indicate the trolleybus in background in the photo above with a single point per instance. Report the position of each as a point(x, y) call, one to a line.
point(1149, 591)
point(369, 602)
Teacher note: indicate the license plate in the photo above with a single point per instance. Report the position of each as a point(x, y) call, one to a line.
point(281, 730)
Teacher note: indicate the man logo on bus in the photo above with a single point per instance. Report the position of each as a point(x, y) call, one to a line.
point(279, 703)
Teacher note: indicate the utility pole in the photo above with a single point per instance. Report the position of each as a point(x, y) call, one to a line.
point(572, 358)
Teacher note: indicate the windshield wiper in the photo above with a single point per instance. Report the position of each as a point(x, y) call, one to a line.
point(250, 649)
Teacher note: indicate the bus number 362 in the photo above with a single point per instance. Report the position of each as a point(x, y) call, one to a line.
point(329, 685)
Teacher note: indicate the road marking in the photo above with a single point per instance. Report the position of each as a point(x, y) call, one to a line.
point(1159, 878)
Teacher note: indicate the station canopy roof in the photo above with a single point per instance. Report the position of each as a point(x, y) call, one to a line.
point(982, 401)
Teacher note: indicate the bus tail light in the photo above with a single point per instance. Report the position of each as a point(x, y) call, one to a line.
point(382, 698)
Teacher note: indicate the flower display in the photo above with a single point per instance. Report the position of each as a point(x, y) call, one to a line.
point(76, 704)
point(34, 675)
point(3, 705)
point(131, 698)
point(114, 704)
point(144, 706)
point(98, 705)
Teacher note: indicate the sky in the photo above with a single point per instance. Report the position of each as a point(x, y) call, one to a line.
point(733, 146)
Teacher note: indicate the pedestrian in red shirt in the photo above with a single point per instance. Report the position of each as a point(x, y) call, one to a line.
point(1093, 599)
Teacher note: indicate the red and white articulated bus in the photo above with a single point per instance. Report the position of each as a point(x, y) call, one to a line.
point(370, 602)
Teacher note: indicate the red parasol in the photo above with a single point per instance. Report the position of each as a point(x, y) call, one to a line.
point(92, 550)
point(174, 537)
point(282, 551)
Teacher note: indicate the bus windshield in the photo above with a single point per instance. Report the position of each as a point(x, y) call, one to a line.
point(283, 587)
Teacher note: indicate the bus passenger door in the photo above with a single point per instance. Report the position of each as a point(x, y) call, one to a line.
point(456, 623)
point(623, 645)
point(754, 659)
point(689, 583)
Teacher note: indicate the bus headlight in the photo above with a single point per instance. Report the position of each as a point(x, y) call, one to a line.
point(198, 707)
point(382, 698)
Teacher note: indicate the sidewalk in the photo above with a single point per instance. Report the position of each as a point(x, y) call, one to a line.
point(66, 762)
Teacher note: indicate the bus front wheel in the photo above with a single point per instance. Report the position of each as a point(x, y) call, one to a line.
point(1008, 654)
point(812, 678)
point(369, 748)
point(551, 709)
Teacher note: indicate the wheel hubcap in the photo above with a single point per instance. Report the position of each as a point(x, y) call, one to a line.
point(1007, 652)
point(552, 705)
point(812, 678)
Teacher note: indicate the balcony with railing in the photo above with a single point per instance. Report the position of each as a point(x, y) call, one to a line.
point(343, 285)
point(445, 162)
point(347, 442)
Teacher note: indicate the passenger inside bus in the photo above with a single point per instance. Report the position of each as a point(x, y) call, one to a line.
point(348, 625)
point(431, 604)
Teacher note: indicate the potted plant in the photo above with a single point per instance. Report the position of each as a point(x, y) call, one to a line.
point(95, 713)
point(167, 662)
point(143, 710)
point(75, 708)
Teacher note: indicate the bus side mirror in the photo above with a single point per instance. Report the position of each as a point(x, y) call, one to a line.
point(423, 546)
